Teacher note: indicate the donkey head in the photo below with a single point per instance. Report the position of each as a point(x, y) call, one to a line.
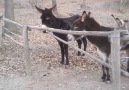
point(121, 23)
point(79, 25)
point(47, 16)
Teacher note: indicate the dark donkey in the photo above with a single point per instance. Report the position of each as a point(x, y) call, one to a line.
point(102, 44)
point(121, 23)
point(51, 21)
point(124, 24)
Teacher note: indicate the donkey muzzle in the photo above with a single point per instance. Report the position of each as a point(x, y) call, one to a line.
point(70, 37)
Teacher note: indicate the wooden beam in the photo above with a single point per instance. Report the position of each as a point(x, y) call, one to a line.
point(9, 13)
point(115, 58)
point(1, 34)
point(88, 33)
point(26, 50)
point(10, 21)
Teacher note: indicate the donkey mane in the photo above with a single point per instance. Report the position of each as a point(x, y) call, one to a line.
point(94, 25)
point(92, 22)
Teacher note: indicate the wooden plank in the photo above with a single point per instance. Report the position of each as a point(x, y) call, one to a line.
point(88, 33)
point(26, 50)
point(10, 21)
point(115, 58)
point(13, 33)
point(1, 33)
point(13, 40)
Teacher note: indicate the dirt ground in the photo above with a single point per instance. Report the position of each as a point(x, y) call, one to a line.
point(47, 74)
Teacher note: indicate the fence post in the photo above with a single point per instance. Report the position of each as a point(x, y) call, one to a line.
point(115, 58)
point(1, 34)
point(26, 50)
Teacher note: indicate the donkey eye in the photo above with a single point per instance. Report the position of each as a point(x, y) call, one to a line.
point(41, 17)
point(47, 18)
point(75, 27)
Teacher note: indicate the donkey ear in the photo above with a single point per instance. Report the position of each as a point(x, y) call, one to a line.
point(126, 21)
point(89, 13)
point(52, 8)
point(83, 16)
point(118, 21)
point(112, 15)
point(39, 9)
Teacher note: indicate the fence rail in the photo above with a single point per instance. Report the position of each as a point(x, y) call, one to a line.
point(13, 33)
point(111, 34)
point(13, 39)
point(5, 19)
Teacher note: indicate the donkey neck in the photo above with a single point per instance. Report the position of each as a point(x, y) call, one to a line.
point(59, 24)
point(91, 25)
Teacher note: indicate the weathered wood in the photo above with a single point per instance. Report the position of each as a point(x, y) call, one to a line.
point(9, 13)
point(1, 33)
point(115, 58)
point(120, 5)
point(88, 33)
point(13, 33)
point(10, 21)
point(13, 39)
point(26, 50)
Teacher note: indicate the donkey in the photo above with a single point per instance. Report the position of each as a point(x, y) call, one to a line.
point(124, 24)
point(51, 21)
point(102, 44)
point(121, 23)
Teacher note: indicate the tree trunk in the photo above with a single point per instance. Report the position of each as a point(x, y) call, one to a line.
point(123, 4)
point(120, 5)
point(9, 14)
point(83, 6)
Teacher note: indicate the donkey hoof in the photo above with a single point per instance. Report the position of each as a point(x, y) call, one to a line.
point(108, 81)
point(103, 80)
point(62, 63)
point(67, 63)
point(83, 54)
point(78, 54)
point(66, 66)
point(127, 69)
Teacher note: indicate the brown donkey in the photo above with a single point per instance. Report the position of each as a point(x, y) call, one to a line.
point(51, 21)
point(124, 24)
point(102, 44)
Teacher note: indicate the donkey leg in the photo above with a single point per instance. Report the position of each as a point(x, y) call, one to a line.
point(62, 52)
point(84, 43)
point(128, 65)
point(127, 53)
point(104, 69)
point(104, 73)
point(79, 46)
point(66, 53)
point(108, 74)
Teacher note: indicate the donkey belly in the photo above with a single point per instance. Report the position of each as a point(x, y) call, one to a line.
point(102, 54)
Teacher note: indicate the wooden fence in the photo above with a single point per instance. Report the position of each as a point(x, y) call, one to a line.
point(114, 38)
point(24, 37)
